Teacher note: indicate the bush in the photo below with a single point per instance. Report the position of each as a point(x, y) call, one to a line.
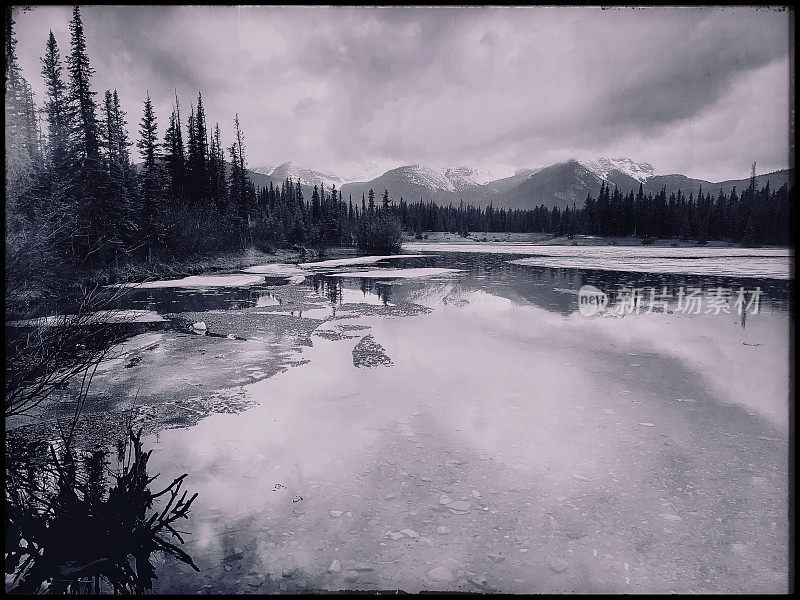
point(380, 235)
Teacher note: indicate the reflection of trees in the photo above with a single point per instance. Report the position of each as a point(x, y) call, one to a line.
point(175, 300)
point(384, 292)
point(44, 356)
point(334, 291)
point(69, 531)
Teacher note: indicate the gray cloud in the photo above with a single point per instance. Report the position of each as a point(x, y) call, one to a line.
point(520, 87)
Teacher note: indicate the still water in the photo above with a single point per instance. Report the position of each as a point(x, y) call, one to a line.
point(458, 424)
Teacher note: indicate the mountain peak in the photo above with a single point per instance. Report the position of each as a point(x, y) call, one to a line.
point(602, 166)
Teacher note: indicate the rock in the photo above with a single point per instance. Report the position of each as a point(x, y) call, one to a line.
point(451, 564)
point(336, 513)
point(199, 326)
point(410, 533)
point(390, 496)
point(369, 353)
point(227, 568)
point(580, 477)
point(426, 541)
point(496, 558)
point(669, 517)
point(476, 494)
point(335, 566)
point(444, 530)
point(440, 574)
point(289, 572)
point(647, 424)
point(459, 506)
point(608, 411)
point(444, 500)
point(236, 555)
point(254, 581)
point(350, 576)
point(479, 580)
point(558, 565)
point(576, 533)
point(396, 536)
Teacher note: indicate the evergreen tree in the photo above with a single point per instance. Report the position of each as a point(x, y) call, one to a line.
point(174, 157)
point(19, 162)
point(81, 96)
point(151, 178)
point(219, 193)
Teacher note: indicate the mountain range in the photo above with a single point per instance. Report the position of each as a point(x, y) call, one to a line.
point(560, 184)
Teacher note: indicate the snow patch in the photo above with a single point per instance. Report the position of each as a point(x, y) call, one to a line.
point(397, 273)
point(204, 281)
point(356, 260)
point(603, 166)
point(277, 269)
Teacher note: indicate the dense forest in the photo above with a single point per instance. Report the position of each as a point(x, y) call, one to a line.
point(79, 199)
point(756, 216)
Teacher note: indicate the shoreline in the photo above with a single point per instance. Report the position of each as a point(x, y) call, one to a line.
point(579, 240)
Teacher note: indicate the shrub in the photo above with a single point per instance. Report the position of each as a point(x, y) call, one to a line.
point(380, 235)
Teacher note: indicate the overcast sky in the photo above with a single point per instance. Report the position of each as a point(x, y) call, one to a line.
point(698, 91)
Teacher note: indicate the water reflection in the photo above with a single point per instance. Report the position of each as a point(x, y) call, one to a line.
point(75, 526)
point(338, 292)
point(556, 288)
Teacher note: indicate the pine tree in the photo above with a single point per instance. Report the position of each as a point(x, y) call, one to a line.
point(151, 178)
point(19, 162)
point(55, 105)
point(242, 194)
point(117, 189)
point(199, 159)
point(174, 156)
point(81, 96)
point(219, 193)
point(88, 183)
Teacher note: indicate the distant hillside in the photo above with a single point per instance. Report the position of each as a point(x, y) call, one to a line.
point(561, 184)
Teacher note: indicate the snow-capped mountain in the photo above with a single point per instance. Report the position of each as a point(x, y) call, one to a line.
point(308, 177)
point(561, 184)
point(603, 167)
point(364, 172)
point(426, 177)
point(467, 177)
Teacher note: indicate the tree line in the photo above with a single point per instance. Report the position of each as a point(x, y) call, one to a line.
point(756, 216)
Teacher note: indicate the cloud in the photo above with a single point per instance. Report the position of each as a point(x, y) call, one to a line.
point(330, 87)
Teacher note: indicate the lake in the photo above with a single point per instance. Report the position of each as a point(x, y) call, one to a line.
point(453, 421)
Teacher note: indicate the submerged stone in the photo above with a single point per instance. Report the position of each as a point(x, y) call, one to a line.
point(558, 565)
point(440, 574)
